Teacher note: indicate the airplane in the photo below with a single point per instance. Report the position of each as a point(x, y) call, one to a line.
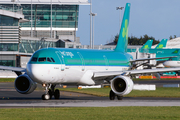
point(147, 45)
point(68, 66)
point(173, 62)
point(162, 44)
point(170, 55)
point(173, 55)
point(145, 52)
point(147, 48)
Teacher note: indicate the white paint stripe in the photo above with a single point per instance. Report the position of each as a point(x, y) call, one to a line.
point(7, 90)
point(95, 86)
point(8, 76)
point(144, 87)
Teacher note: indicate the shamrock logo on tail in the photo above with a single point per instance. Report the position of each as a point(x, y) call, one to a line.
point(160, 46)
point(176, 51)
point(146, 47)
point(125, 31)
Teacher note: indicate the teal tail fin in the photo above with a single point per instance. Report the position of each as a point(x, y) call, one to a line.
point(162, 44)
point(147, 45)
point(123, 35)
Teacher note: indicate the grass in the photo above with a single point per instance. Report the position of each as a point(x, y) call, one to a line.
point(91, 91)
point(7, 79)
point(92, 113)
point(159, 92)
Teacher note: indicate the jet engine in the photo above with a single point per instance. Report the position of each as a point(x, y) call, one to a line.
point(24, 84)
point(122, 85)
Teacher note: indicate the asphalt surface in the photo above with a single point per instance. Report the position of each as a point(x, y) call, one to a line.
point(10, 98)
point(158, 83)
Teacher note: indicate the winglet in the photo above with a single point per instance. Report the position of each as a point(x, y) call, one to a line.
point(162, 44)
point(123, 35)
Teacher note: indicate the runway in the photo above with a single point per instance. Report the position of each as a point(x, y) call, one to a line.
point(10, 98)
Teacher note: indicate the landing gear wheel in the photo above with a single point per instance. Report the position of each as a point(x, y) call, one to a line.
point(56, 94)
point(45, 96)
point(111, 95)
point(50, 93)
point(119, 97)
point(42, 97)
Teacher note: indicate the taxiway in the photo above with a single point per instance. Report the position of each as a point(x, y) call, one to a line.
point(10, 98)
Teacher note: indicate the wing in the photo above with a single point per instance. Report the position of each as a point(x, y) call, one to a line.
point(135, 60)
point(111, 74)
point(17, 70)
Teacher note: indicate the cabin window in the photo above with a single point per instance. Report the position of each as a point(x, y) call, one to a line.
point(42, 59)
point(49, 60)
point(52, 59)
point(34, 59)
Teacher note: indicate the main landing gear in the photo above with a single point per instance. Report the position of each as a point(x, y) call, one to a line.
point(112, 96)
point(50, 92)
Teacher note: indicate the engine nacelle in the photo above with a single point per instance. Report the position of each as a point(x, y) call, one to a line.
point(122, 85)
point(24, 84)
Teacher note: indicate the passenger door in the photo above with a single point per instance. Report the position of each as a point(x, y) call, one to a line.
point(82, 61)
point(106, 62)
point(61, 59)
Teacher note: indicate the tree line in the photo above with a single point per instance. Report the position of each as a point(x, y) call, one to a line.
point(132, 40)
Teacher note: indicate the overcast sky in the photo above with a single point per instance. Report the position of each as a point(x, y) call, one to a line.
point(157, 18)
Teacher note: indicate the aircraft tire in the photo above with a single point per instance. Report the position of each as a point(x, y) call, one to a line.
point(119, 97)
point(45, 97)
point(111, 95)
point(56, 94)
point(50, 93)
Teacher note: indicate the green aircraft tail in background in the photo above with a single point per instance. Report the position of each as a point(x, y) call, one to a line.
point(162, 44)
point(147, 45)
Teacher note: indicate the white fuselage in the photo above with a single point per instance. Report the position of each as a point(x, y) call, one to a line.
point(57, 74)
point(172, 64)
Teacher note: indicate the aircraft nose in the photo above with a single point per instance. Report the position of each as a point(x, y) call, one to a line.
point(33, 71)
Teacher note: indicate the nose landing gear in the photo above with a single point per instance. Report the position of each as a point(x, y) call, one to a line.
point(50, 92)
point(45, 96)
